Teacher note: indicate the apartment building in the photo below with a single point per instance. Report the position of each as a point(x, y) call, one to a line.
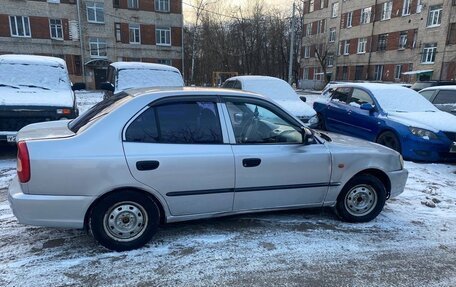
point(89, 35)
point(378, 40)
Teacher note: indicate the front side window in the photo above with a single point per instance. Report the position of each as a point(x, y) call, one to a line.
point(55, 25)
point(133, 4)
point(98, 48)
point(386, 10)
point(341, 95)
point(360, 97)
point(435, 16)
point(135, 34)
point(163, 36)
point(187, 122)
point(95, 12)
point(162, 5)
point(258, 124)
point(19, 26)
point(429, 52)
point(366, 15)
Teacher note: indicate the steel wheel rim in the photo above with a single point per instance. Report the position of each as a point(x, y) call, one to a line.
point(360, 200)
point(125, 221)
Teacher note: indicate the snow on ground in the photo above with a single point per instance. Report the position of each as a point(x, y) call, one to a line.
point(411, 243)
point(7, 172)
point(86, 99)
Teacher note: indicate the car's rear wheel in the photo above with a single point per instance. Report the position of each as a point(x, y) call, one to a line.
point(321, 122)
point(389, 139)
point(124, 220)
point(361, 199)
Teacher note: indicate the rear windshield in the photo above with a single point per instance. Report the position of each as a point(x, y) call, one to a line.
point(142, 78)
point(98, 111)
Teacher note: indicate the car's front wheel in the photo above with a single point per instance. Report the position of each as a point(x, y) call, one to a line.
point(389, 139)
point(321, 122)
point(361, 199)
point(124, 220)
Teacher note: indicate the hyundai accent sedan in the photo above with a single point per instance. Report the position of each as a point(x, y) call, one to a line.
point(149, 157)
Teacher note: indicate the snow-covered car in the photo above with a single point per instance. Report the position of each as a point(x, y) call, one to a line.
point(33, 89)
point(279, 91)
point(132, 75)
point(146, 157)
point(394, 116)
point(443, 97)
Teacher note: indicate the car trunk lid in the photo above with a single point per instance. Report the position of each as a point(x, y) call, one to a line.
point(46, 130)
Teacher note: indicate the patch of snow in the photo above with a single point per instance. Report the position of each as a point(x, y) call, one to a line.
point(86, 99)
point(7, 172)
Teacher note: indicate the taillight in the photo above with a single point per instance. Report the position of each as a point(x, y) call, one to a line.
point(23, 162)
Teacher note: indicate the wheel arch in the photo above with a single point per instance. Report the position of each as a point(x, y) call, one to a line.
point(145, 193)
point(381, 175)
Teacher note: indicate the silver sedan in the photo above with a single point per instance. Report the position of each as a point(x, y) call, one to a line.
point(148, 157)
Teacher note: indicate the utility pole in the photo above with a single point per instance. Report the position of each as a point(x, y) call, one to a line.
point(293, 28)
point(81, 42)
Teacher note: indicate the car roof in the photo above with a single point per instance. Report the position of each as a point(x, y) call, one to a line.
point(195, 91)
point(141, 65)
point(439, 88)
point(32, 59)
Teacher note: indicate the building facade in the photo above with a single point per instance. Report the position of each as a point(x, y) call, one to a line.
point(378, 40)
point(89, 35)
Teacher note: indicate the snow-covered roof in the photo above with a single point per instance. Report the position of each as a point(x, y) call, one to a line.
point(255, 78)
point(417, 72)
point(31, 59)
point(440, 88)
point(141, 65)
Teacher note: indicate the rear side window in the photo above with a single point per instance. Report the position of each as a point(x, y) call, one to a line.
point(445, 97)
point(190, 122)
point(341, 95)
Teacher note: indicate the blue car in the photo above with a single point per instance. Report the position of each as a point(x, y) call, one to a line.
point(391, 115)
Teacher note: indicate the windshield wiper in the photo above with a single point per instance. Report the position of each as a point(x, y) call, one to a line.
point(33, 86)
point(5, 85)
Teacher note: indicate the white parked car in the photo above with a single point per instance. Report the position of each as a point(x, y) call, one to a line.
point(443, 97)
point(279, 91)
point(131, 75)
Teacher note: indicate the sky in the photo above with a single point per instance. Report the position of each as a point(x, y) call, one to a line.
point(221, 6)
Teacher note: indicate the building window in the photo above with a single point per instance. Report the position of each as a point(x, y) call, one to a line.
point(332, 35)
point(98, 48)
point(378, 74)
point(116, 3)
point(403, 40)
point(419, 6)
point(321, 26)
point(347, 47)
point(162, 6)
point(382, 42)
point(330, 61)
point(359, 70)
point(305, 73)
point(345, 73)
point(311, 5)
point(133, 4)
point(366, 15)
point(386, 11)
point(19, 26)
point(118, 32)
point(335, 10)
point(397, 72)
point(406, 8)
point(168, 62)
point(429, 52)
point(452, 33)
point(309, 29)
point(53, 1)
point(435, 16)
point(163, 36)
point(322, 4)
point(415, 36)
point(362, 43)
point(317, 74)
point(135, 33)
point(55, 25)
point(349, 19)
point(95, 12)
point(306, 52)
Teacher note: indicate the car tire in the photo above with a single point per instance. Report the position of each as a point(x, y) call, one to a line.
point(124, 220)
point(389, 139)
point(321, 122)
point(361, 199)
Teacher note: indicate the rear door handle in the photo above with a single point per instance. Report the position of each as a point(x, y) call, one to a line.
point(251, 162)
point(147, 165)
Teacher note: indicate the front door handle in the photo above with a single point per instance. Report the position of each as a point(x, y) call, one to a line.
point(251, 162)
point(147, 165)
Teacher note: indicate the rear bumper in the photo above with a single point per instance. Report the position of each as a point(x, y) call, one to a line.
point(48, 210)
point(398, 180)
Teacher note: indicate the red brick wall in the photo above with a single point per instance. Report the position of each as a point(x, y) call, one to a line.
point(66, 29)
point(4, 26)
point(147, 5)
point(177, 63)
point(148, 34)
point(40, 27)
point(176, 36)
point(176, 6)
point(124, 33)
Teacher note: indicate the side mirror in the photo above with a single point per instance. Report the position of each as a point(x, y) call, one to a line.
point(107, 86)
point(304, 99)
point(78, 86)
point(367, 107)
point(307, 137)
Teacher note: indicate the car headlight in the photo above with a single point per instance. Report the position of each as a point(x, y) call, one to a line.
point(401, 161)
point(313, 120)
point(422, 133)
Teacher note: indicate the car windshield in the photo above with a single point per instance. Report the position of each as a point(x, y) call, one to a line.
point(142, 78)
point(34, 76)
point(98, 111)
point(399, 99)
